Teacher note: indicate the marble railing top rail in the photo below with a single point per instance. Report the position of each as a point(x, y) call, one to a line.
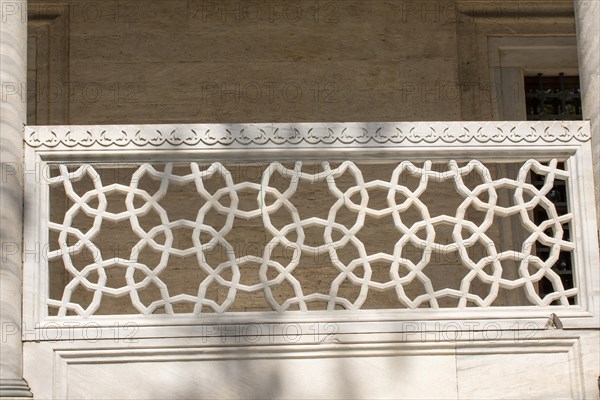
point(370, 134)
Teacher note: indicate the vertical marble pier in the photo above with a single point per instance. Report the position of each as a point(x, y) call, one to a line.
point(13, 53)
point(587, 20)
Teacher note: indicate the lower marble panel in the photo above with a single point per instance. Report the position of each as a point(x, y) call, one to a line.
point(368, 377)
point(553, 365)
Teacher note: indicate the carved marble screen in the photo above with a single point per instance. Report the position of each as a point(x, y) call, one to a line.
point(194, 238)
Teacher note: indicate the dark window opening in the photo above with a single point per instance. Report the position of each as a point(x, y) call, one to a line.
point(551, 98)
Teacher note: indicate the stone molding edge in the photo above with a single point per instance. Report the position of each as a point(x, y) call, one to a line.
point(14, 388)
point(153, 136)
point(518, 11)
point(330, 346)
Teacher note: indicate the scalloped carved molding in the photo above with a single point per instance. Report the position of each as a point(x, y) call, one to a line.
point(190, 135)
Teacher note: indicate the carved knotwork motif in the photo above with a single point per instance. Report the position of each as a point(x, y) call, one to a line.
point(295, 134)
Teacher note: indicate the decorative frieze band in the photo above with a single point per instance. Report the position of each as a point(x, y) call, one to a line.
point(80, 136)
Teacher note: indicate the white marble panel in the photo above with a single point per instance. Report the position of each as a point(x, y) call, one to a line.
point(430, 377)
point(515, 376)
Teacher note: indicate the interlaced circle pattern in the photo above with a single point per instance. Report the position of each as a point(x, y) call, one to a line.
point(422, 234)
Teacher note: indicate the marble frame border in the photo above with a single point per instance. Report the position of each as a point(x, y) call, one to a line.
point(502, 141)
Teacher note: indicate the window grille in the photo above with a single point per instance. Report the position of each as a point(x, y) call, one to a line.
point(553, 98)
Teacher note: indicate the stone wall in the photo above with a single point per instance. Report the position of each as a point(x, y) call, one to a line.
point(235, 61)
